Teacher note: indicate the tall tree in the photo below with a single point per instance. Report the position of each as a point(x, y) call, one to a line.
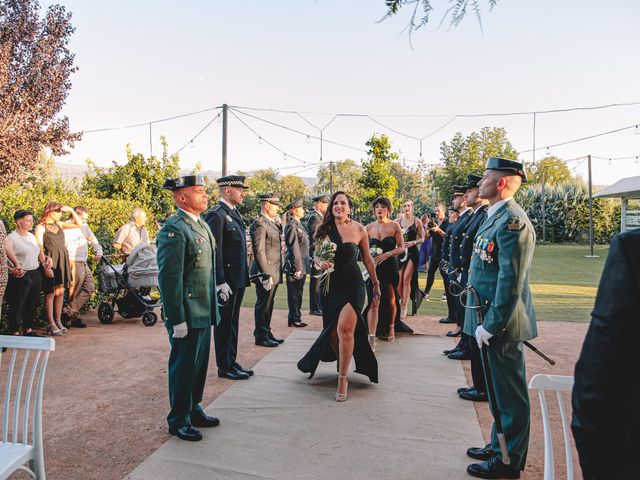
point(35, 69)
point(552, 169)
point(463, 155)
point(376, 179)
point(345, 177)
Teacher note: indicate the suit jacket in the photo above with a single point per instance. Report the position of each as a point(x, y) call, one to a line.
point(500, 267)
point(446, 243)
point(267, 249)
point(436, 252)
point(186, 262)
point(231, 255)
point(297, 258)
point(606, 393)
point(312, 225)
point(466, 248)
point(457, 236)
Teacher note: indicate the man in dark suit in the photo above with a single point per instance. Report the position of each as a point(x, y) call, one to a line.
point(320, 205)
point(232, 274)
point(436, 233)
point(297, 262)
point(185, 277)
point(606, 393)
point(266, 243)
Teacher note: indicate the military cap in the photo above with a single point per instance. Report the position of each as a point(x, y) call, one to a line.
point(472, 181)
point(232, 181)
point(184, 181)
point(506, 165)
point(459, 190)
point(269, 197)
point(321, 198)
point(294, 204)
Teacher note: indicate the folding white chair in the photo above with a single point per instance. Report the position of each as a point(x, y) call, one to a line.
point(557, 384)
point(27, 364)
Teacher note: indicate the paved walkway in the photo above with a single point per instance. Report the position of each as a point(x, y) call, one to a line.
point(279, 425)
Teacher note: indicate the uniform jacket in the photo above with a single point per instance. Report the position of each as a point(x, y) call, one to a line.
point(446, 243)
point(457, 236)
point(186, 262)
point(267, 249)
point(297, 258)
point(312, 225)
point(500, 266)
point(606, 392)
point(436, 252)
point(466, 248)
point(231, 255)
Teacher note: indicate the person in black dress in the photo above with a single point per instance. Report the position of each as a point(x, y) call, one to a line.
point(386, 235)
point(345, 331)
point(408, 284)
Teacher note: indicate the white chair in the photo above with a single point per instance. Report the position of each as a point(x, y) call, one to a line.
point(27, 364)
point(557, 384)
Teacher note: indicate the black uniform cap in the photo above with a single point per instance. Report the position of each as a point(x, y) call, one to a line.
point(184, 181)
point(472, 181)
point(459, 190)
point(232, 181)
point(506, 165)
point(294, 204)
point(321, 198)
point(269, 197)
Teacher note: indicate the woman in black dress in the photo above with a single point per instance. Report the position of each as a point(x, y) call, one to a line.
point(385, 235)
point(408, 284)
point(345, 331)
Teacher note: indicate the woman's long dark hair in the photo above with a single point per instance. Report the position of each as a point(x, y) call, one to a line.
point(48, 208)
point(329, 221)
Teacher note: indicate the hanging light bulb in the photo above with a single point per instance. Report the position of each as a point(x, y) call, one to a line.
point(547, 153)
point(191, 144)
point(610, 162)
point(637, 130)
point(260, 140)
point(309, 138)
point(284, 157)
point(637, 159)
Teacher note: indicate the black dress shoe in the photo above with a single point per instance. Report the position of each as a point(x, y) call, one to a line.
point(454, 334)
point(474, 396)
point(279, 341)
point(298, 324)
point(316, 313)
point(459, 355)
point(266, 343)
point(483, 453)
point(493, 468)
point(186, 432)
point(233, 374)
point(239, 367)
point(77, 323)
point(453, 350)
point(465, 389)
point(447, 320)
point(205, 421)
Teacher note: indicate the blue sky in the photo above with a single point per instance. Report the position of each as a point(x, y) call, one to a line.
point(141, 61)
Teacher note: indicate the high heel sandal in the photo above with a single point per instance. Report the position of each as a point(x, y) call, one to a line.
point(403, 312)
point(54, 330)
point(61, 327)
point(341, 396)
point(372, 342)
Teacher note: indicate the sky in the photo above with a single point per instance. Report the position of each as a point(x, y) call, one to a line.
point(143, 61)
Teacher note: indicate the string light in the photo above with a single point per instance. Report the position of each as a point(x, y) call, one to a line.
point(637, 130)
point(260, 140)
point(308, 139)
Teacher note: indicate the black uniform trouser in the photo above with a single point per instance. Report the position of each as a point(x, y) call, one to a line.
point(295, 289)
point(431, 273)
point(450, 298)
point(477, 370)
point(22, 298)
point(314, 292)
point(188, 363)
point(263, 310)
point(225, 334)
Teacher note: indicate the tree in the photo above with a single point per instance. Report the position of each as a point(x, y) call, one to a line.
point(376, 179)
point(553, 169)
point(290, 188)
point(469, 154)
point(456, 11)
point(346, 174)
point(139, 180)
point(35, 69)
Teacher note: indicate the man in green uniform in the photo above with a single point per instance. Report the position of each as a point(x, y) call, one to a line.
point(499, 271)
point(185, 277)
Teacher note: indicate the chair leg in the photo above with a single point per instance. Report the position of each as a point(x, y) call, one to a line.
point(38, 466)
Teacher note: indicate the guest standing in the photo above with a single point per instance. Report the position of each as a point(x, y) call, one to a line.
point(343, 295)
point(297, 262)
point(132, 233)
point(436, 234)
point(408, 284)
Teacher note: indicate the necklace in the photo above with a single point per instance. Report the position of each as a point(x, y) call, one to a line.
point(25, 238)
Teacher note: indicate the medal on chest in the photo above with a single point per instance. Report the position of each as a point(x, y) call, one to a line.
point(484, 249)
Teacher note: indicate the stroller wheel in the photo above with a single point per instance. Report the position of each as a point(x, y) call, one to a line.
point(105, 313)
point(149, 319)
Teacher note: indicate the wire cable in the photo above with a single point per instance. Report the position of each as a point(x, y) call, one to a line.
point(582, 138)
point(198, 134)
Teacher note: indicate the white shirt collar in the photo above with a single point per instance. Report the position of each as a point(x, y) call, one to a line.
point(494, 208)
point(227, 204)
point(193, 217)
point(479, 207)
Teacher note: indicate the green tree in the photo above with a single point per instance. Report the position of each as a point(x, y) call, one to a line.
point(377, 179)
point(553, 169)
point(290, 188)
point(139, 180)
point(463, 155)
point(346, 174)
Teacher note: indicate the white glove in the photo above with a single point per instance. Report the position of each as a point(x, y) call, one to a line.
point(224, 291)
point(482, 336)
point(459, 278)
point(297, 275)
point(180, 330)
point(267, 283)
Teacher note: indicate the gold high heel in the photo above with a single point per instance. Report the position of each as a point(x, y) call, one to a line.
point(341, 396)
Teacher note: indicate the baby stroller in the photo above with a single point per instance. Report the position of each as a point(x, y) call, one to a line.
point(129, 284)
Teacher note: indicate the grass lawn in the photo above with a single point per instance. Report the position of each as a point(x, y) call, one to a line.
point(563, 282)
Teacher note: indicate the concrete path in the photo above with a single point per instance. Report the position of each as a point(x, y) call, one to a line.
point(279, 425)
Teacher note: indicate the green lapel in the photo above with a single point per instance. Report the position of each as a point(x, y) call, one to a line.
point(488, 223)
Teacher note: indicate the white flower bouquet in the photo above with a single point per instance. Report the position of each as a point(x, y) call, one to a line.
point(326, 253)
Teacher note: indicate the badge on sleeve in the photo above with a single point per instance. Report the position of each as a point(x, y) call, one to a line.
point(515, 224)
point(171, 234)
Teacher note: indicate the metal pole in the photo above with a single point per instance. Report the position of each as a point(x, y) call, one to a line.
point(544, 217)
point(591, 255)
point(225, 108)
point(150, 143)
point(331, 178)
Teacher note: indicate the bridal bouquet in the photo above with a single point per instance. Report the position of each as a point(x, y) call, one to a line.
point(326, 253)
point(374, 252)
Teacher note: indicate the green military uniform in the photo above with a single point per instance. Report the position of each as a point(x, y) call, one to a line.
point(503, 251)
point(186, 253)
